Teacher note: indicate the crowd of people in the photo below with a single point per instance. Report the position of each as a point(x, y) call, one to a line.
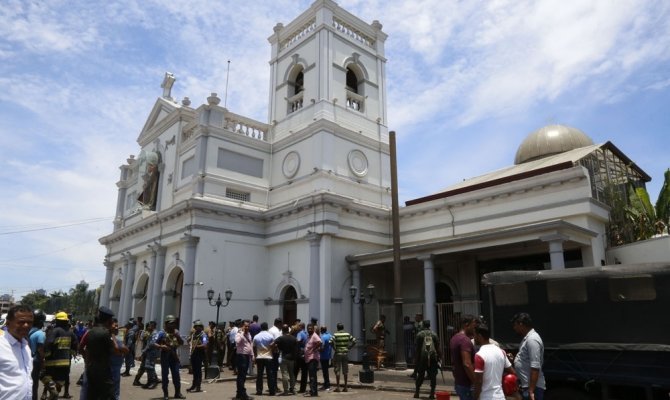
point(33, 352)
point(296, 351)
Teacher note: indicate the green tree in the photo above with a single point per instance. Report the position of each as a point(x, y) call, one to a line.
point(82, 301)
point(35, 300)
point(663, 202)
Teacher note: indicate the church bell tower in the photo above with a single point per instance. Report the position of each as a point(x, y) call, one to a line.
point(327, 106)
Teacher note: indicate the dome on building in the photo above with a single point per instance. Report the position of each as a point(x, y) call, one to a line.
point(550, 140)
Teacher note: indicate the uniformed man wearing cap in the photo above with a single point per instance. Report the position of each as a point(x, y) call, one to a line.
point(168, 341)
point(60, 345)
point(198, 344)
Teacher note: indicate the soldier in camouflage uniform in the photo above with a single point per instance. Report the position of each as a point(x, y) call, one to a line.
point(147, 358)
point(216, 341)
point(168, 341)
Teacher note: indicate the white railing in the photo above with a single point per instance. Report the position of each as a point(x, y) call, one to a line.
point(355, 101)
point(245, 126)
point(299, 34)
point(295, 102)
point(353, 33)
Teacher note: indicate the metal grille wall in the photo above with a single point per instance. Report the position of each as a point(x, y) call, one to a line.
point(448, 317)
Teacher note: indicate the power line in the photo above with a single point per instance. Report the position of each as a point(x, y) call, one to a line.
point(45, 254)
point(48, 227)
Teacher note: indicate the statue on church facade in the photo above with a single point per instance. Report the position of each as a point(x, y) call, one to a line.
point(149, 162)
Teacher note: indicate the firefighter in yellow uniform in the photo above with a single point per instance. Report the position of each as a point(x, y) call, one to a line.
point(60, 345)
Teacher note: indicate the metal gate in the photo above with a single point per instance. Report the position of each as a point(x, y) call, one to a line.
point(448, 317)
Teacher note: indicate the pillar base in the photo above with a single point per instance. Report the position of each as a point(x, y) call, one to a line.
point(366, 376)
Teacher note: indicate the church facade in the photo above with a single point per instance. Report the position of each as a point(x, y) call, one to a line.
point(288, 214)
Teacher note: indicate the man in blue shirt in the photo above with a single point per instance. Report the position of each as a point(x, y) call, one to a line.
point(326, 356)
point(37, 339)
point(263, 349)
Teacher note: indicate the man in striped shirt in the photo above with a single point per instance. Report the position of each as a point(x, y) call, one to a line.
point(342, 342)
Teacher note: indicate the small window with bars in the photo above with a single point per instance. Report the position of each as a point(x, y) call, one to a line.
point(635, 288)
point(566, 291)
point(514, 294)
point(238, 195)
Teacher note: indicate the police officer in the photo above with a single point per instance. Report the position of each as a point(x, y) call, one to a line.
point(168, 341)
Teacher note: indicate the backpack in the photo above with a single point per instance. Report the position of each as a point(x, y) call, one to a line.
point(429, 346)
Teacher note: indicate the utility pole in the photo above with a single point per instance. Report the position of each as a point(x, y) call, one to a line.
point(400, 362)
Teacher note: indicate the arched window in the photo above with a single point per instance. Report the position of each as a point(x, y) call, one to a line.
point(352, 81)
point(299, 83)
point(295, 98)
point(355, 99)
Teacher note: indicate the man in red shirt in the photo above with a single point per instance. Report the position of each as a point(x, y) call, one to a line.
point(462, 353)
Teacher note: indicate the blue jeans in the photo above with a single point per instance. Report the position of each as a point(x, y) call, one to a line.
point(170, 365)
point(242, 364)
point(265, 365)
point(116, 378)
point(539, 393)
point(312, 366)
point(464, 392)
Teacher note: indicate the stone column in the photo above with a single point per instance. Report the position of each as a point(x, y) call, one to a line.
point(314, 275)
point(555, 249)
point(201, 158)
point(429, 284)
point(124, 298)
point(121, 197)
point(157, 277)
point(104, 296)
point(356, 311)
point(150, 286)
point(187, 299)
point(128, 280)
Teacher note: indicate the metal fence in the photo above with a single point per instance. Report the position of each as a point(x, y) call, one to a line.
point(448, 317)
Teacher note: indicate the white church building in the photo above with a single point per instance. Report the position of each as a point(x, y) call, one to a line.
point(289, 213)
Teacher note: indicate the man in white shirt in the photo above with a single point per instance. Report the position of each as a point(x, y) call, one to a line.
point(490, 362)
point(16, 363)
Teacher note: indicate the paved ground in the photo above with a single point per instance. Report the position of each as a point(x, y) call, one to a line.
point(388, 384)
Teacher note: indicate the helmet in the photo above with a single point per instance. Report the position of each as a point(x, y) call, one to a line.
point(62, 316)
point(170, 318)
point(510, 384)
point(39, 316)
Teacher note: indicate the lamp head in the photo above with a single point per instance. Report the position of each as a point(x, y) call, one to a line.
point(352, 291)
point(210, 294)
point(229, 294)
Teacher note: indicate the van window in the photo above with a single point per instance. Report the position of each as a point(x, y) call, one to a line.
point(513, 294)
point(637, 288)
point(566, 291)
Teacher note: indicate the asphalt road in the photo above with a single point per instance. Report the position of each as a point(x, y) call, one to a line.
point(224, 389)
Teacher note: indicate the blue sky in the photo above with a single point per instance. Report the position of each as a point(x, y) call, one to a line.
point(467, 82)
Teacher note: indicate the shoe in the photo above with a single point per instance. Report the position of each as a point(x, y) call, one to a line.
point(179, 396)
point(259, 393)
point(197, 390)
point(136, 382)
point(337, 390)
point(66, 396)
point(192, 388)
point(345, 390)
point(150, 385)
point(416, 395)
point(431, 397)
point(125, 373)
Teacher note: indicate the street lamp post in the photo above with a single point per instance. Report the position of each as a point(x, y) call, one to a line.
point(366, 375)
point(213, 367)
